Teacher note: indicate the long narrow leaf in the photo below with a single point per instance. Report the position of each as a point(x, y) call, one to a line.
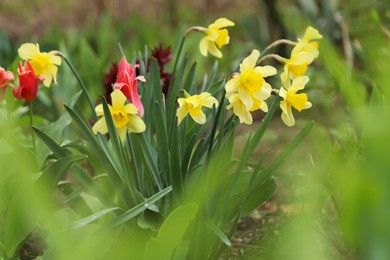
point(139, 208)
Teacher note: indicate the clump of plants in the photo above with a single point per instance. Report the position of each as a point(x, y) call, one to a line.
point(148, 172)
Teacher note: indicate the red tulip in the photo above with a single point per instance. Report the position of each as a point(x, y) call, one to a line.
point(127, 82)
point(28, 82)
point(5, 76)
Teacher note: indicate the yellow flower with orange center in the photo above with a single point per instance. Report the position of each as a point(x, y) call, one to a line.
point(43, 63)
point(125, 116)
point(193, 105)
point(216, 36)
point(292, 99)
point(249, 86)
point(303, 53)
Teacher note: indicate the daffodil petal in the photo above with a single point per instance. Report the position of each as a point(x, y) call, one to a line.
point(130, 109)
point(233, 84)
point(136, 124)
point(48, 78)
point(287, 115)
point(311, 34)
point(299, 83)
point(122, 132)
point(307, 105)
point(99, 110)
point(203, 46)
point(27, 51)
point(282, 93)
point(246, 99)
point(100, 126)
point(264, 92)
point(266, 70)
point(221, 23)
point(181, 114)
point(118, 99)
point(264, 107)
point(212, 48)
point(201, 119)
point(55, 59)
point(250, 61)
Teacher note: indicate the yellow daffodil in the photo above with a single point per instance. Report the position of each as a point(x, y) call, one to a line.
point(125, 116)
point(250, 85)
point(239, 109)
point(292, 99)
point(44, 63)
point(193, 105)
point(303, 53)
point(215, 37)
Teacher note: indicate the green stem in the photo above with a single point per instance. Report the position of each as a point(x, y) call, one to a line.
point(83, 87)
point(31, 125)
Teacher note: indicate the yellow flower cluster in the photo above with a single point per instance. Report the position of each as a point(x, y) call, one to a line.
point(247, 90)
point(293, 79)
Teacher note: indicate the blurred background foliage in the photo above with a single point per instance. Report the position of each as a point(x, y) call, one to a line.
point(333, 194)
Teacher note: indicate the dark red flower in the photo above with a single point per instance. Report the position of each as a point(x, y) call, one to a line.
point(127, 82)
point(109, 80)
point(28, 82)
point(163, 56)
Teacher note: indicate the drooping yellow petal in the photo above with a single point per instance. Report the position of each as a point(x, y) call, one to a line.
point(212, 48)
point(264, 92)
point(246, 98)
point(287, 115)
point(130, 109)
point(299, 83)
point(208, 100)
point(200, 119)
point(181, 112)
point(221, 23)
point(239, 109)
point(311, 34)
point(265, 71)
point(203, 46)
point(135, 124)
point(233, 84)
point(27, 51)
point(100, 126)
point(55, 59)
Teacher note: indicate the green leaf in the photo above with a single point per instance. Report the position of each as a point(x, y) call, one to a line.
point(216, 231)
point(162, 141)
point(150, 219)
point(257, 196)
point(133, 212)
point(55, 131)
point(52, 174)
point(32, 203)
point(91, 218)
point(171, 232)
point(281, 158)
point(103, 153)
point(119, 152)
